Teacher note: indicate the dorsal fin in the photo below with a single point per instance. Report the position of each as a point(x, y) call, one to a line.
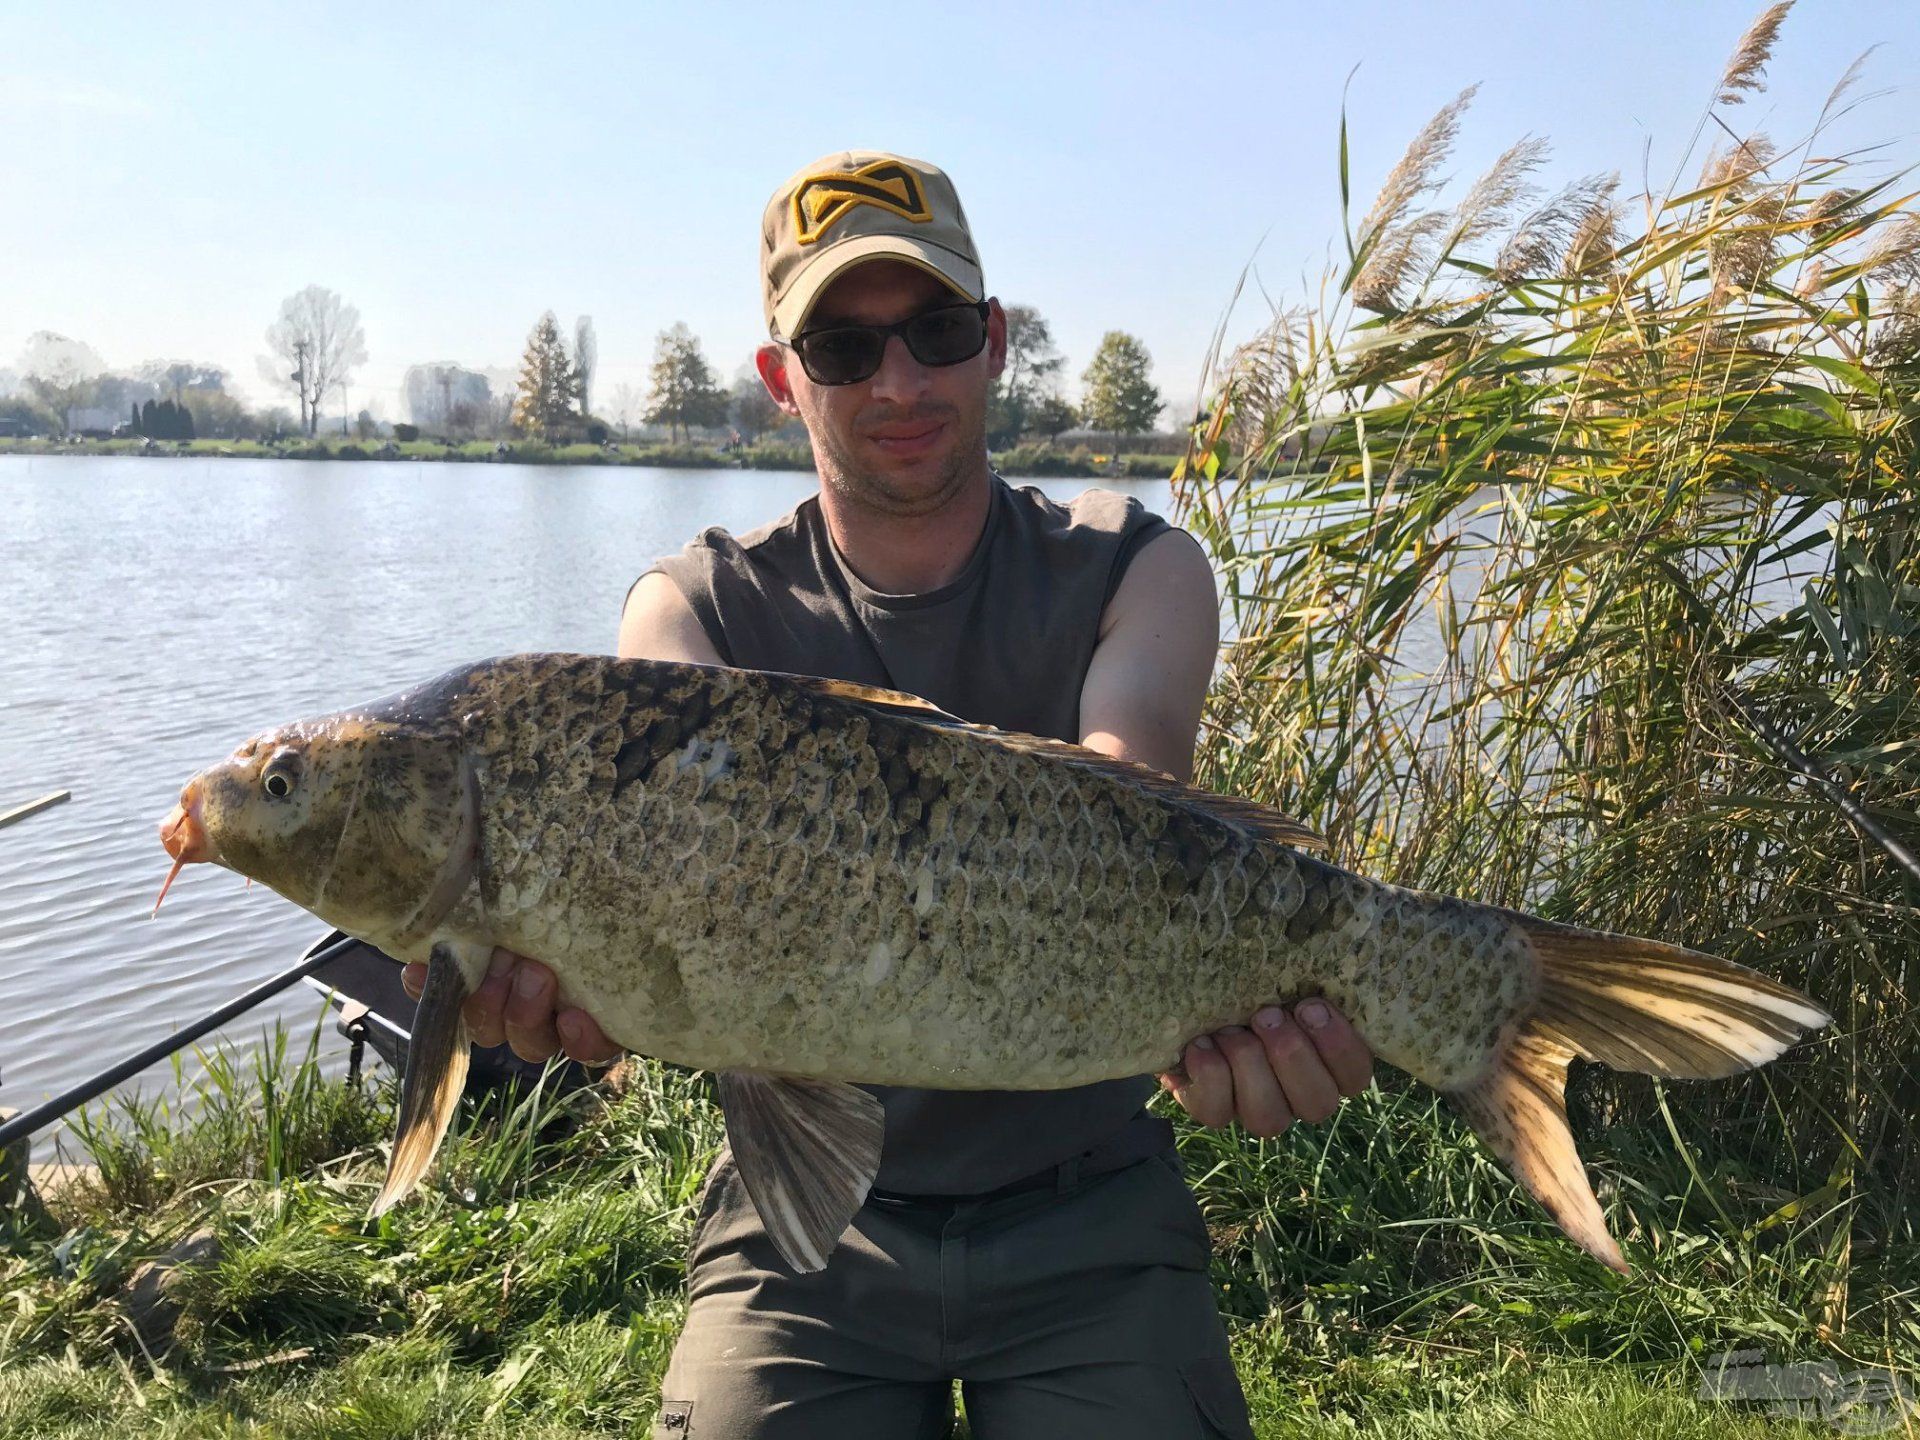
point(1261, 821)
point(912, 706)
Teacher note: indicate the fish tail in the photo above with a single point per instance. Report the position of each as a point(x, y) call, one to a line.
point(1632, 1004)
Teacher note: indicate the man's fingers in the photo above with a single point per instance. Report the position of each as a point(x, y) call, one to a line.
point(1258, 1100)
point(529, 1012)
point(1310, 1091)
point(1340, 1047)
point(483, 1010)
point(583, 1039)
point(1205, 1091)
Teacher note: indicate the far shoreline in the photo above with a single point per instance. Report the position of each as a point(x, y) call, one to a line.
point(1038, 461)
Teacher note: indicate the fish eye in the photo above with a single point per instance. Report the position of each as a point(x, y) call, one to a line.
point(282, 774)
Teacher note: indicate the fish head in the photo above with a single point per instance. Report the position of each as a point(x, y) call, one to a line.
point(368, 823)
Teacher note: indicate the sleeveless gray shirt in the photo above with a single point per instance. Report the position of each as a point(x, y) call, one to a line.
point(1007, 644)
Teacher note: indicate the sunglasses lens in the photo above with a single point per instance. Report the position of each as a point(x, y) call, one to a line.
point(946, 336)
point(848, 354)
point(840, 357)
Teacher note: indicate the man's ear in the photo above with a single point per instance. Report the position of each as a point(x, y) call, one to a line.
point(996, 338)
point(771, 361)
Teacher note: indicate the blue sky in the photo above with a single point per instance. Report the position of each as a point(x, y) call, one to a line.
point(168, 174)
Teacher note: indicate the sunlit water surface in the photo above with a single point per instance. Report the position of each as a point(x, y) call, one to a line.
point(155, 612)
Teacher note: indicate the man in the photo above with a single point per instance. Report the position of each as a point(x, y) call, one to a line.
point(1038, 1246)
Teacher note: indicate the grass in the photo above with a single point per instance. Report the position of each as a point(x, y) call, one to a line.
point(1380, 1275)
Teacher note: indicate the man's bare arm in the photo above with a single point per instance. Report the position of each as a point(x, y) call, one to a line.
point(1141, 701)
point(659, 624)
point(515, 1003)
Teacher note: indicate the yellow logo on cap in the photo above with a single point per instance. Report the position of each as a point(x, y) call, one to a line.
point(820, 200)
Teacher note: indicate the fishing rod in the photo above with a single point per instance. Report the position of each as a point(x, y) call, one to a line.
point(29, 1121)
point(1823, 780)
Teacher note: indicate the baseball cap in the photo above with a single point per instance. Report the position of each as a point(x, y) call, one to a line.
point(858, 205)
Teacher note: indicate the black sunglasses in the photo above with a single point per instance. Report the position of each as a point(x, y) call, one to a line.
point(848, 354)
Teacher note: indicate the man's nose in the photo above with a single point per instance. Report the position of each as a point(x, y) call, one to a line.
point(900, 377)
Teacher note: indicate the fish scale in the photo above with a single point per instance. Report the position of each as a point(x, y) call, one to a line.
point(801, 883)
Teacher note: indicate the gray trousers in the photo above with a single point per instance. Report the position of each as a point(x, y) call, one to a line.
point(1074, 1311)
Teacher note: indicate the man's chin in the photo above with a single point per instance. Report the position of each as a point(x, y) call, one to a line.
point(912, 487)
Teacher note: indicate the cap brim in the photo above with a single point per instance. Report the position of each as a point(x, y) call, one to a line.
point(791, 313)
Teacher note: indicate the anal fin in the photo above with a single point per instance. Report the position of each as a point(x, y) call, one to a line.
point(1519, 1111)
point(808, 1151)
point(436, 1076)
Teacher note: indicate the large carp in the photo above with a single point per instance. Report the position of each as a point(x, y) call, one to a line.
point(801, 883)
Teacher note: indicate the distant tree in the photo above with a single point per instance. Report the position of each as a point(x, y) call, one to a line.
point(684, 393)
point(166, 420)
point(365, 427)
point(1032, 375)
point(219, 415)
point(1050, 415)
point(753, 412)
point(59, 372)
point(627, 405)
point(176, 377)
point(444, 398)
point(25, 415)
point(544, 402)
point(1120, 397)
point(136, 419)
point(468, 420)
point(316, 343)
point(586, 357)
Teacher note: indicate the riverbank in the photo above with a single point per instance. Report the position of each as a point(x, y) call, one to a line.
point(1380, 1275)
point(1022, 460)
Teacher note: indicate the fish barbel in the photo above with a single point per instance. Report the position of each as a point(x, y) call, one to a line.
point(804, 884)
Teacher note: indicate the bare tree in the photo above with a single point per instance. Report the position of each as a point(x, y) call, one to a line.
point(627, 403)
point(316, 342)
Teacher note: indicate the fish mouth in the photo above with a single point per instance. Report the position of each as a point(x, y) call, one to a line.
point(184, 834)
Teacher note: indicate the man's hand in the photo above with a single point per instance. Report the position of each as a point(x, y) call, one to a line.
point(515, 1003)
point(1281, 1069)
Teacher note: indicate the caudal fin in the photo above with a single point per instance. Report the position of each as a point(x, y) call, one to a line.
point(1633, 1004)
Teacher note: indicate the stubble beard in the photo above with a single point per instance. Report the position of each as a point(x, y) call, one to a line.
point(884, 494)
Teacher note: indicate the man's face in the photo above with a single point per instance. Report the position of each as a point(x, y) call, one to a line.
point(906, 440)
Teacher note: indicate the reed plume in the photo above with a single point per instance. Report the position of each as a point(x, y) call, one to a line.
point(1746, 69)
point(1545, 240)
point(1413, 175)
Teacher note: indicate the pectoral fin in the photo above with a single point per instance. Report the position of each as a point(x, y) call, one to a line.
point(808, 1151)
point(436, 1076)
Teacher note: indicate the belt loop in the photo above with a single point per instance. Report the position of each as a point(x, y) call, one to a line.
point(1068, 1175)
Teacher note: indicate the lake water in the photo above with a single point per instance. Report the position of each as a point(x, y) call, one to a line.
point(155, 612)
